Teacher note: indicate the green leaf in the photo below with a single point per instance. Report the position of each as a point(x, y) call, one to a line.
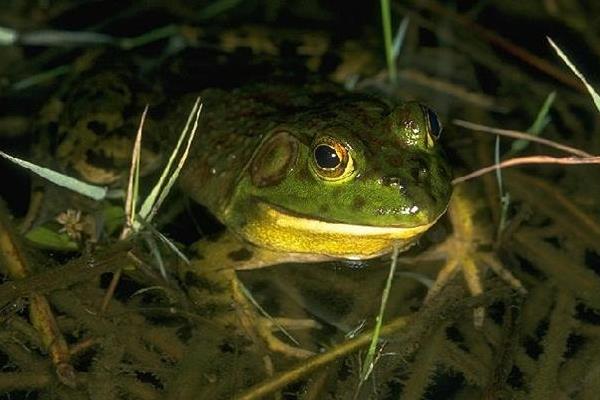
point(114, 218)
point(589, 87)
point(542, 118)
point(537, 127)
point(85, 189)
point(49, 239)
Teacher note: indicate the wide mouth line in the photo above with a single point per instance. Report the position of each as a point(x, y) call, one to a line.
point(292, 219)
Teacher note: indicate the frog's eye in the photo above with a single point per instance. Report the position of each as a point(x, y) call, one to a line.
point(331, 160)
point(434, 126)
point(326, 157)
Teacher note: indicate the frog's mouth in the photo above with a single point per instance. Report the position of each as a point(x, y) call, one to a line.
point(284, 230)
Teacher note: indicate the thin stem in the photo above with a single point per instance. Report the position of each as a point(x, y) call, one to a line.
point(520, 135)
point(529, 160)
point(386, 21)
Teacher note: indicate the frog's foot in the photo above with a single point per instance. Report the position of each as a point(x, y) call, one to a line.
point(262, 328)
point(222, 297)
point(212, 279)
point(463, 255)
point(472, 266)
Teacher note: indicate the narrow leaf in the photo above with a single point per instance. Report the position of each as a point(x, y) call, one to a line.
point(151, 199)
point(589, 87)
point(83, 188)
point(386, 21)
point(399, 37)
point(537, 127)
point(180, 164)
point(134, 173)
point(542, 117)
point(369, 362)
point(8, 36)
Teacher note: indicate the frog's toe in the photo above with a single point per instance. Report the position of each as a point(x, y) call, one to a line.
point(264, 328)
point(261, 329)
point(294, 324)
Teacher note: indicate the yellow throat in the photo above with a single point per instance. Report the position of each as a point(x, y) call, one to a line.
point(282, 231)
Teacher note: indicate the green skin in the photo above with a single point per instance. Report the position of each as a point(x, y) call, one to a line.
point(256, 144)
point(239, 157)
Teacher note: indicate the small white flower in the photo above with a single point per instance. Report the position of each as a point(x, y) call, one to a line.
point(71, 223)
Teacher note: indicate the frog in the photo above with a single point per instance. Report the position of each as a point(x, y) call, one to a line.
point(308, 174)
point(320, 171)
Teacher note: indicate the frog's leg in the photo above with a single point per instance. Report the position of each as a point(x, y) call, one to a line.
point(212, 279)
point(463, 254)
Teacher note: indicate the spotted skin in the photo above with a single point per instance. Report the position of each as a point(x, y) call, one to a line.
point(255, 146)
point(253, 162)
point(96, 124)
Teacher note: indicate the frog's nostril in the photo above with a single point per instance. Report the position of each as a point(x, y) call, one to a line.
point(418, 169)
point(391, 181)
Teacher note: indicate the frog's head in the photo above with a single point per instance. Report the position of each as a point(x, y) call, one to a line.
point(349, 180)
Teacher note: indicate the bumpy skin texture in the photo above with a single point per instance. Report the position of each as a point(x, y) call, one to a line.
point(259, 161)
point(254, 153)
point(98, 116)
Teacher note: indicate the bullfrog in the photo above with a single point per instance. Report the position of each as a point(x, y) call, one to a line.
point(316, 171)
point(306, 174)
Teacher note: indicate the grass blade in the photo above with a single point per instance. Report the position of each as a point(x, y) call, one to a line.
point(504, 197)
point(368, 363)
point(52, 37)
point(541, 159)
point(537, 127)
point(184, 155)
point(149, 202)
point(83, 188)
point(386, 20)
point(42, 77)
point(478, 128)
point(8, 36)
point(399, 38)
point(541, 120)
point(149, 37)
point(134, 177)
point(166, 241)
point(216, 8)
point(589, 87)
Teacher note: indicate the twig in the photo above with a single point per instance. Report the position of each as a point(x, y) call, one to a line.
point(529, 160)
point(520, 135)
point(75, 271)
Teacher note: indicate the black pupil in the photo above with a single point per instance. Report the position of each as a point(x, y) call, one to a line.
point(326, 157)
point(434, 123)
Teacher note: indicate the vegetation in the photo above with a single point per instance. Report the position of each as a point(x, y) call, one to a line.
point(499, 300)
